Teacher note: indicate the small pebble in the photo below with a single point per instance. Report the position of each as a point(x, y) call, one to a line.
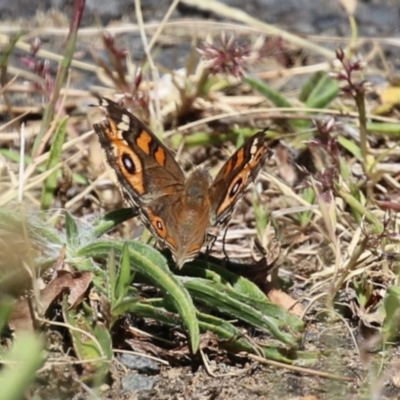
point(139, 383)
point(141, 364)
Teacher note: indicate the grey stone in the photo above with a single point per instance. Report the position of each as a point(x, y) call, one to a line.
point(139, 383)
point(139, 363)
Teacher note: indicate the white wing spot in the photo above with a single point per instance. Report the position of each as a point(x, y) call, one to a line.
point(129, 165)
point(253, 149)
point(124, 124)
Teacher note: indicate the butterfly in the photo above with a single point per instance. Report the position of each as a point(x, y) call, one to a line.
point(178, 211)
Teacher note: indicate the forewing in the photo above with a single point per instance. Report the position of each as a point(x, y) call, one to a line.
point(233, 178)
point(145, 168)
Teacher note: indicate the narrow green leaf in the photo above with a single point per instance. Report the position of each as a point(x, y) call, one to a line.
point(275, 97)
point(55, 157)
point(92, 341)
point(109, 221)
point(309, 86)
point(360, 209)
point(325, 90)
point(305, 217)
point(71, 229)
point(351, 147)
point(224, 299)
point(243, 290)
point(215, 273)
point(124, 305)
point(233, 339)
point(112, 277)
point(124, 279)
point(383, 128)
point(268, 92)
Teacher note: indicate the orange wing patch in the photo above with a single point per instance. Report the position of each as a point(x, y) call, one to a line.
point(160, 156)
point(228, 167)
point(143, 141)
point(234, 162)
point(239, 158)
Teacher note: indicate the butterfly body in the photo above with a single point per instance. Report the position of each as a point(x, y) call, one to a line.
point(178, 211)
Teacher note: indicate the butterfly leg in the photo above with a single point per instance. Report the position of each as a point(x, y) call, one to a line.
point(210, 241)
point(223, 244)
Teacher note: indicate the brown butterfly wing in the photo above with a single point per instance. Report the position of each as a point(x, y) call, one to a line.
point(145, 168)
point(233, 178)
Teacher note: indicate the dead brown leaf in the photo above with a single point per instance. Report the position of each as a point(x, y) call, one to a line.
point(76, 284)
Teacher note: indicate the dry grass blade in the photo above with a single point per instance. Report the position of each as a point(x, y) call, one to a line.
point(239, 15)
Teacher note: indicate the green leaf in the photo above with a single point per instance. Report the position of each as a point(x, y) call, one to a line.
point(112, 277)
point(91, 340)
point(125, 276)
point(351, 147)
point(126, 304)
point(381, 128)
point(54, 158)
point(215, 273)
point(72, 230)
point(275, 97)
point(231, 337)
point(323, 93)
point(224, 299)
point(109, 221)
point(391, 322)
point(309, 86)
point(153, 266)
point(268, 92)
point(244, 290)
